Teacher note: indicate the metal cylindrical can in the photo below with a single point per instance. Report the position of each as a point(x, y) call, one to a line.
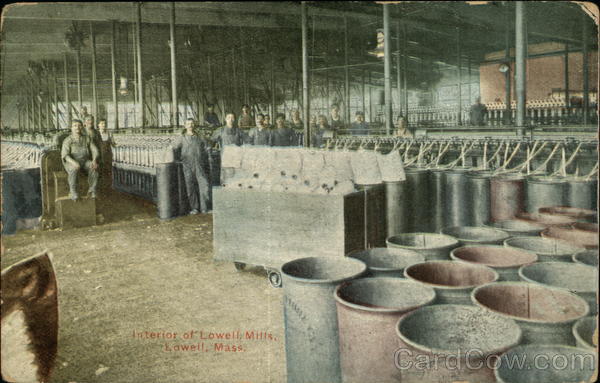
point(310, 316)
point(544, 191)
point(545, 314)
point(452, 281)
point(581, 215)
point(577, 278)
point(396, 208)
point(368, 310)
point(417, 189)
point(451, 332)
point(479, 197)
point(507, 196)
point(518, 228)
point(436, 206)
point(456, 211)
point(583, 331)
point(583, 193)
point(432, 246)
point(576, 237)
point(547, 249)
point(473, 235)
point(587, 257)
point(504, 260)
point(387, 261)
point(167, 194)
point(578, 366)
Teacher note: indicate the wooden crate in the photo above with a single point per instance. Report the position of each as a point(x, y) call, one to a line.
point(269, 229)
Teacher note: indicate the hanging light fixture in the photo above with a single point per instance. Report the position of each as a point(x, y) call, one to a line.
point(123, 86)
point(379, 51)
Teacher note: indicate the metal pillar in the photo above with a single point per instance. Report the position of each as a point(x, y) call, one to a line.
point(48, 113)
point(387, 68)
point(138, 43)
point(273, 88)
point(520, 71)
point(79, 89)
point(175, 103)
point(346, 72)
point(507, 75)
point(69, 116)
point(567, 95)
point(459, 77)
point(405, 71)
point(362, 91)
point(398, 70)
point(586, 71)
point(305, 100)
point(113, 67)
point(56, 114)
point(94, 84)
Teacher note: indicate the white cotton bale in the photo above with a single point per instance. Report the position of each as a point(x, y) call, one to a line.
point(340, 160)
point(391, 167)
point(231, 156)
point(365, 167)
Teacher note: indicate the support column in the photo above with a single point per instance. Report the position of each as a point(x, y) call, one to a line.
point(79, 90)
point(567, 95)
point(362, 92)
point(586, 71)
point(520, 69)
point(387, 68)
point(346, 72)
point(398, 70)
point(405, 71)
point(113, 68)
point(56, 110)
point(507, 75)
point(273, 106)
point(69, 116)
point(140, 84)
point(305, 100)
point(459, 78)
point(175, 104)
point(48, 112)
point(94, 80)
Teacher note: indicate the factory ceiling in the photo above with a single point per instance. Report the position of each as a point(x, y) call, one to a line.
point(271, 31)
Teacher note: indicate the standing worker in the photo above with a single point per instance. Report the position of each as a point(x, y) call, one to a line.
point(477, 113)
point(259, 135)
point(246, 120)
point(210, 117)
point(228, 134)
point(194, 158)
point(79, 152)
point(282, 135)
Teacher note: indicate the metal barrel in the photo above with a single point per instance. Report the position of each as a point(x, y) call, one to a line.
point(518, 228)
point(431, 245)
point(387, 262)
point(438, 332)
point(583, 194)
point(545, 314)
point(368, 310)
point(505, 261)
point(166, 190)
point(577, 278)
point(547, 249)
point(478, 186)
point(587, 257)
point(473, 235)
point(417, 190)
point(544, 191)
point(507, 196)
point(456, 211)
point(396, 208)
point(583, 331)
point(436, 206)
point(583, 238)
point(579, 214)
point(556, 371)
point(452, 281)
point(310, 316)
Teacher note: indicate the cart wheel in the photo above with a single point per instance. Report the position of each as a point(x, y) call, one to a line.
point(239, 266)
point(274, 278)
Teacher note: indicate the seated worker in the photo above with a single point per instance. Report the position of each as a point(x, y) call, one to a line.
point(282, 135)
point(246, 121)
point(210, 117)
point(322, 132)
point(79, 152)
point(296, 122)
point(196, 167)
point(402, 128)
point(336, 120)
point(360, 127)
point(259, 135)
point(477, 113)
point(228, 134)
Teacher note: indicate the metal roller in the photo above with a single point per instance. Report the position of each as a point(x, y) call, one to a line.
point(543, 191)
point(456, 194)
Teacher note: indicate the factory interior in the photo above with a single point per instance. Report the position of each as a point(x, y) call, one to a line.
point(301, 192)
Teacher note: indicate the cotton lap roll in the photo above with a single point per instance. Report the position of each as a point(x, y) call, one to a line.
point(365, 168)
point(340, 161)
point(391, 167)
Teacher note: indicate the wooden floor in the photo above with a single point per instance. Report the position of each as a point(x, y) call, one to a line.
point(136, 274)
